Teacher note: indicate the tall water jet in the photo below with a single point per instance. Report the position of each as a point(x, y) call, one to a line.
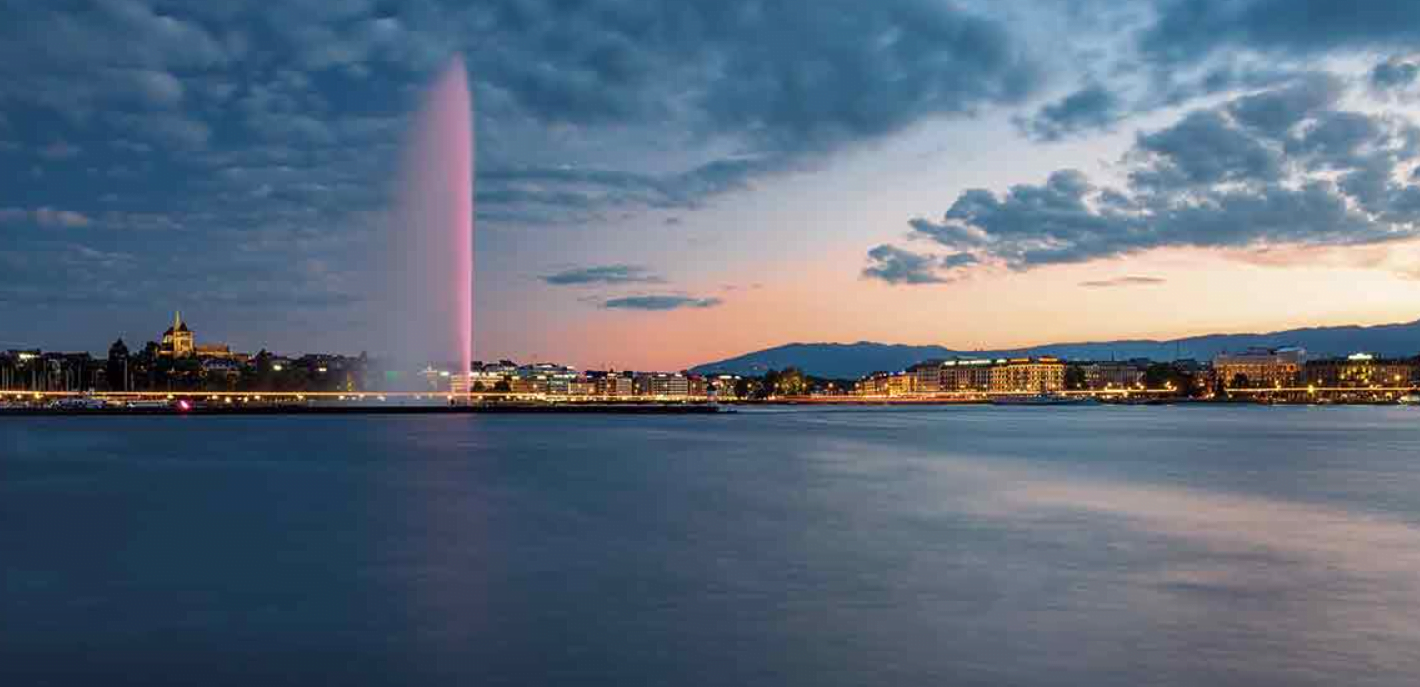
point(428, 299)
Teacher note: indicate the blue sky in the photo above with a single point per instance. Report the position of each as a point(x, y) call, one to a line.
point(666, 182)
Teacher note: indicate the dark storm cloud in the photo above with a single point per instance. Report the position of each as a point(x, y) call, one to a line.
point(603, 274)
point(660, 303)
point(1279, 167)
point(254, 129)
point(1122, 281)
point(1090, 108)
point(789, 75)
point(1190, 30)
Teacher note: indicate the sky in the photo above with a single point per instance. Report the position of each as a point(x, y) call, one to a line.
point(662, 183)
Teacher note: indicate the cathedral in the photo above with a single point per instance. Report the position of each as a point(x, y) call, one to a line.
point(178, 340)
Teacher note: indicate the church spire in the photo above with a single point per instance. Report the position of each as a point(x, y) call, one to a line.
point(177, 319)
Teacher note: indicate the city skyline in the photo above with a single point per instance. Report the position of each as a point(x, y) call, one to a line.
point(669, 184)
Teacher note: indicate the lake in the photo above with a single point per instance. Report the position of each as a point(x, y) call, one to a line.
point(957, 546)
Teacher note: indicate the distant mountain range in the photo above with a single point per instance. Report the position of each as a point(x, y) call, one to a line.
point(857, 359)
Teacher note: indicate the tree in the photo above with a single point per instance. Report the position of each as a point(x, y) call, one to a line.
point(1167, 376)
point(744, 387)
point(791, 382)
point(1075, 378)
point(1239, 381)
point(768, 386)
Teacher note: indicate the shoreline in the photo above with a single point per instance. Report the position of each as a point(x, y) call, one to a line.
point(558, 409)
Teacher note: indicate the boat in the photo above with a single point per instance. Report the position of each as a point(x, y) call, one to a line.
point(1410, 399)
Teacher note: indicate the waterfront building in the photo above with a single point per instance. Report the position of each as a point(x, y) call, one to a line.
point(901, 384)
point(609, 383)
point(1261, 368)
point(663, 384)
point(528, 385)
point(724, 386)
point(1037, 375)
point(965, 374)
point(1112, 375)
point(926, 377)
point(1361, 371)
point(875, 384)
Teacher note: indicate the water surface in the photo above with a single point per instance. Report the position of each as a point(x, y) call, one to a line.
point(963, 546)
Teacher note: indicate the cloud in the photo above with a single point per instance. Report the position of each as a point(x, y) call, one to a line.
point(1275, 111)
point(1205, 148)
point(786, 76)
point(46, 217)
point(605, 274)
point(1275, 168)
point(1191, 30)
point(59, 150)
point(50, 217)
point(1090, 108)
point(1123, 281)
point(167, 129)
point(660, 302)
point(899, 266)
point(1394, 73)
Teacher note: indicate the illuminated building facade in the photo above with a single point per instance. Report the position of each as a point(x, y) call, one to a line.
point(966, 374)
point(178, 340)
point(1112, 375)
point(1361, 371)
point(1261, 368)
point(875, 384)
point(926, 377)
point(1036, 375)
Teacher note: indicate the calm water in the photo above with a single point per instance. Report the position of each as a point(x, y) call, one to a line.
point(969, 546)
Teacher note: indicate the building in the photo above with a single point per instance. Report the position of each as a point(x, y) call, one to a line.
point(901, 384)
point(221, 351)
point(178, 340)
point(723, 386)
point(117, 372)
point(1261, 368)
point(926, 377)
point(965, 374)
point(875, 384)
point(1361, 371)
point(663, 384)
point(610, 383)
point(1035, 375)
point(1112, 375)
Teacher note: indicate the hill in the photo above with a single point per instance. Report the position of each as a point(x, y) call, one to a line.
point(857, 359)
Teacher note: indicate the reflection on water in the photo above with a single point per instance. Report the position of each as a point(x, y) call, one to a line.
point(1099, 546)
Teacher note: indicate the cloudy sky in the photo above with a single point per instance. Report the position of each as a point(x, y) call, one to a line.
point(666, 182)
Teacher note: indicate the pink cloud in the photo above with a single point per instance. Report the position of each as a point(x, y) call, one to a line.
point(50, 217)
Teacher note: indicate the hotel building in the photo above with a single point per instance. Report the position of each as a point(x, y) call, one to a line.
point(1261, 368)
point(1035, 375)
point(1361, 371)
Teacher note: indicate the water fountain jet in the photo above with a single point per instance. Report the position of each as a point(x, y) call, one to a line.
point(429, 298)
